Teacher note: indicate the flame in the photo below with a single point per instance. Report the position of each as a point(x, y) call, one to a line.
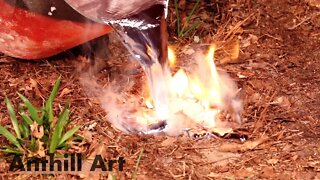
point(171, 57)
point(179, 83)
point(149, 103)
point(198, 96)
point(192, 98)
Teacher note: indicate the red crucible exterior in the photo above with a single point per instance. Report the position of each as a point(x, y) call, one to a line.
point(34, 29)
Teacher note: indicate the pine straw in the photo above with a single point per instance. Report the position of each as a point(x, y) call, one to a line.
point(279, 90)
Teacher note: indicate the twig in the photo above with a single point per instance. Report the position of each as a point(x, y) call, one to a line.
point(262, 115)
point(236, 27)
point(270, 36)
point(303, 21)
point(176, 176)
point(204, 147)
point(213, 162)
point(173, 151)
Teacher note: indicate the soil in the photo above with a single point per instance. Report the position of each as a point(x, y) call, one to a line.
point(277, 72)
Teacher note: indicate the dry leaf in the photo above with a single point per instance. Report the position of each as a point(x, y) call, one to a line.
point(91, 126)
point(232, 52)
point(241, 76)
point(268, 172)
point(34, 85)
point(294, 158)
point(168, 142)
point(97, 149)
point(196, 39)
point(255, 98)
point(247, 146)
point(65, 91)
point(315, 3)
point(41, 151)
point(245, 173)
point(86, 173)
point(314, 164)
point(78, 147)
point(222, 131)
point(87, 135)
point(54, 122)
point(214, 175)
point(282, 101)
point(36, 131)
point(272, 161)
point(252, 39)
point(219, 158)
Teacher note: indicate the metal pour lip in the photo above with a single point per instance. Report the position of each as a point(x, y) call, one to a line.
point(103, 11)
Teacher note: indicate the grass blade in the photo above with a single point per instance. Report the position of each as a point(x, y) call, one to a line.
point(193, 27)
point(11, 138)
point(189, 18)
point(56, 136)
point(68, 134)
point(11, 150)
point(33, 146)
point(134, 176)
point(26, 118)
point(25, 130)
point(177, 15)
point(32, 110)
point(13, 117)
point(114, 177)
point(192, 11)
point(62, 121)
point(51, 98)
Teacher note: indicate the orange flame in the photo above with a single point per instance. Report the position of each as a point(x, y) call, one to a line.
point(186, 99)
point(171, 57)
point(199, 95)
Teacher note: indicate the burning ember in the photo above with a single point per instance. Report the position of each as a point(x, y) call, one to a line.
point(202, 100)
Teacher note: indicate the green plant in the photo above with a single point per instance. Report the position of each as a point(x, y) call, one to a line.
point(134, 175)
point(183, 30)
point(37, 131)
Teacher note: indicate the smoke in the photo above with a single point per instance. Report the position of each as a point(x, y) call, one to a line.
point(177, 102)
point(114, 99)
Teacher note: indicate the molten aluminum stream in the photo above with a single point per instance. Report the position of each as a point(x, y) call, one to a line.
point(203, 100)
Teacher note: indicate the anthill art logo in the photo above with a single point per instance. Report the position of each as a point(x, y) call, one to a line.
point(69, 163)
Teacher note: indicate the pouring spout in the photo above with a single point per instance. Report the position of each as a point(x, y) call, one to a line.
point(140, 24)
point(145, 35)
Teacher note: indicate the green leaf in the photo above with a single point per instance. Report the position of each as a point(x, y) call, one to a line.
point(134, 176)
point(11, 138)
point(189, 17)
point(114, 177)
point(21, 130)
point(56, 136)
point(53, 94)
point(77, 138)
point(33, 145)
point(24, 130)
point(11, 150)
point(193, 10)
point(26, 118)
point(13, 117)
point(64, 145)
point(62, 121)
point(32, 110)
point(68, 134)
point(177, 15)
point(193, 27)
